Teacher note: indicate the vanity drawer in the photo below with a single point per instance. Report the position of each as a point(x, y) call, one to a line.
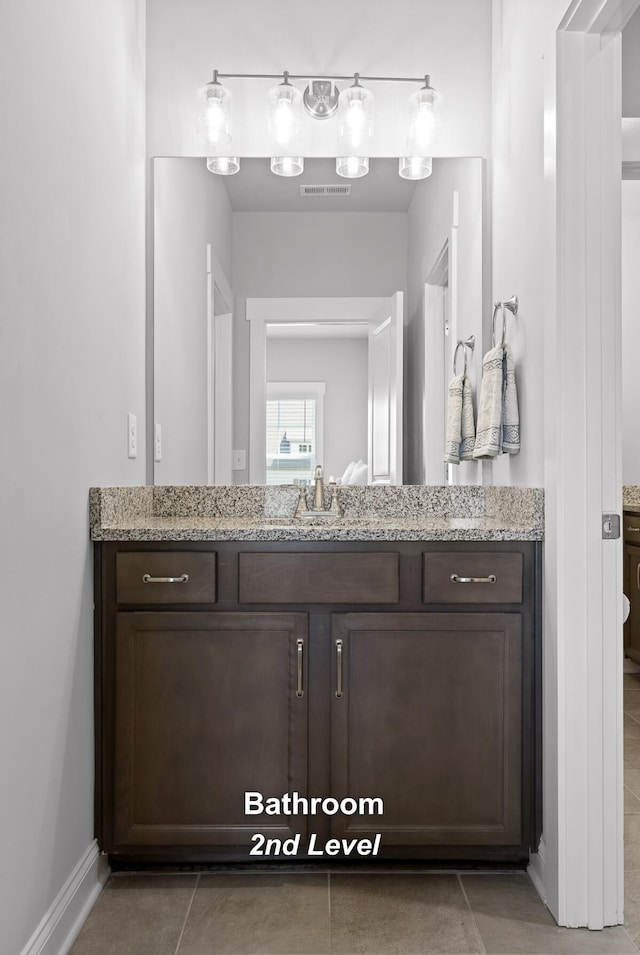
point(176, 577)
point(331, 578)
point(631, 524)
point(481, 578)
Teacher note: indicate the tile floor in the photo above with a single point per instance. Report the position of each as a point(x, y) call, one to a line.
point(387, 913)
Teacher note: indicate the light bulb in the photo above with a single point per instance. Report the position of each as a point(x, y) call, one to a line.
point(284, 115)
point(355, 120)
point(422, 120)
point(214, 114)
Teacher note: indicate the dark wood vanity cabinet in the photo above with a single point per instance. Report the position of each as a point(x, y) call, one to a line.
point(384, 678)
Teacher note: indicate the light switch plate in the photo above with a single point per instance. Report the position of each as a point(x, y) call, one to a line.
point(132, 435)
point(239, 461)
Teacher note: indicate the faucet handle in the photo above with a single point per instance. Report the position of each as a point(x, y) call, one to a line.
point(334, 506)
point(301, 506)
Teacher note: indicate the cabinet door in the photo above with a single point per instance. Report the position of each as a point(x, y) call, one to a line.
point(208, 707)
point(632, 626)
point(430, 720)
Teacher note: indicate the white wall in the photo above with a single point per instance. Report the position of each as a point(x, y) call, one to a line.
point(72, 344)
point(630, 331)
point(342, 363)
point(451, 41)
point(191, 209)
point(524, 32)
point(298, 254)
point(631, 67)
point(430, 225)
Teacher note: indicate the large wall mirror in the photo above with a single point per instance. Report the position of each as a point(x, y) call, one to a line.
point(298, 322)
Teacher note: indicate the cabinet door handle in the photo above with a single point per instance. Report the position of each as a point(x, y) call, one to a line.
point(491, 579)
point(182, 579)
point(638, 576)
point(339, 667)
point(300, 646)
point(634, 530)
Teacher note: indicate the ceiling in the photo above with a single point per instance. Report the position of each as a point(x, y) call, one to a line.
point(332, 330)
point(256, 189)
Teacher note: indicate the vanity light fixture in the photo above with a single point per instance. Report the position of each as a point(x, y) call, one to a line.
point(321, 99)
point(284, 115)
point(422, 125)
point(355, 130)
point(214, 112)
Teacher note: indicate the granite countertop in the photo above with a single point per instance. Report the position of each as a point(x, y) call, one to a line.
point(631, 498)
point(257, 513)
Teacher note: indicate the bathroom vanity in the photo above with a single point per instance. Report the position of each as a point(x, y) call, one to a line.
point(392, 657)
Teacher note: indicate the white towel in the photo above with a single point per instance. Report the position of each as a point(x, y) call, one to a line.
point(461, 434)
point(510, 414)
point(489, 428)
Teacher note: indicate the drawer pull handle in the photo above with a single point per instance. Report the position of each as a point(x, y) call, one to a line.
point(182, 579)
point(491, 579)
point(635, 530)
point(300, 646)
point(638, 576)
point(339, 668)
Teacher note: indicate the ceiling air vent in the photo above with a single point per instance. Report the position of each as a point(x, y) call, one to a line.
point(326, 191)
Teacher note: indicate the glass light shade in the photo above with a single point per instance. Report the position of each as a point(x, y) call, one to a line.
point(355, 121)
point(214, 114)
point(415, 167)
point(422, 121)
point(352, 167)
point(287, 165)
point(223, 165)
point(284, 115)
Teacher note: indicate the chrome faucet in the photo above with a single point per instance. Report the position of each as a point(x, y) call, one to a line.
point(318, 510)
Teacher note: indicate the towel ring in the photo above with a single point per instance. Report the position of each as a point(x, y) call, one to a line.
point(493, 324)
point(459, 345)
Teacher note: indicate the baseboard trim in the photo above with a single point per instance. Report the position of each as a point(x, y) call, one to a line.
point(66, 915)
point(537, 870)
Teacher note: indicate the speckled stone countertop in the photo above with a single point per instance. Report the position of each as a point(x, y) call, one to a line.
point(258, 513)
point(631, 498)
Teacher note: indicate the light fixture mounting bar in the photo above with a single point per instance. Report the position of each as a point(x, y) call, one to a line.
point(322, 76)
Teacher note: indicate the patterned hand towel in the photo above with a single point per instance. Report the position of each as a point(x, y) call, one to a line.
point(454, 421)
point(510, 414)
point(461, 435)
point(489, 428)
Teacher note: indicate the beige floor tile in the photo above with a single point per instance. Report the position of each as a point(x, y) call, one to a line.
point(512, 919)
point(632, 781)
point(400, 915)
point(632, 905)
point(631, 843)
point(137, 914)
point(632, 754)
point(631, 726)
point(249, 914)
point(631, 803)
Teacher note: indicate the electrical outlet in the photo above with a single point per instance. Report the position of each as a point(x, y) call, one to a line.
point(157, 443)
point(132, 435)
point(239, 461)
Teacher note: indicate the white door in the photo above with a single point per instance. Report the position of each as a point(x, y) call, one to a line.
point(385, 393)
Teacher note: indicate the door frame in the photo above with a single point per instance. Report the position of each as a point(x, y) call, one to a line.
point(261, 312)
point(579, 868)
